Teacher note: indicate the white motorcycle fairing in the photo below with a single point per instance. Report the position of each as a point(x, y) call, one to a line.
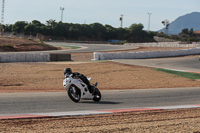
point(70, 81)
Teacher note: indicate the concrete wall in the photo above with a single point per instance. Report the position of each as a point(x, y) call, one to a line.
point(33, 57)
point(163, 44)
point(24, 57)
point(145, 54)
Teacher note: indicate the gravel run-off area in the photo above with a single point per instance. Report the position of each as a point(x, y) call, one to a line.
point(176, 121)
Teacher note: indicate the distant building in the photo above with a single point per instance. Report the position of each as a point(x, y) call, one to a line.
point(197, 32)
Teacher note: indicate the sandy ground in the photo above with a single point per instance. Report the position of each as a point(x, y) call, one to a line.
point(41, 77)
point(173, 121)
point(34, 77)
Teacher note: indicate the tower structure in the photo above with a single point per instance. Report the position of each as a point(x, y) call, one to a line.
point(2, 18)
point(2, 12)
point(62, 9)
point(149, 21)
point(121, 19)
point(166, 24)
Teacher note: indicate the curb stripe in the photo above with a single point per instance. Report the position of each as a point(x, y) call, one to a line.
point(130, 110)
point(21, 116)
point(194, 72)
point(73, 113)
point(181, 70)
point(93, 112)
point(179, 107)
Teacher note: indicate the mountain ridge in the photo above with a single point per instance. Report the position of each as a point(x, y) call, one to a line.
point(190, 20)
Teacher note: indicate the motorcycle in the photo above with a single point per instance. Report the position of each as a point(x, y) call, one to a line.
point(77, 89)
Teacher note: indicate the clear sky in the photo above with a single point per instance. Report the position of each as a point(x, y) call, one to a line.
point(102, 11)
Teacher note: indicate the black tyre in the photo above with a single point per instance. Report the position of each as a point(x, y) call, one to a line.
point(97, 95)
point(74, 93)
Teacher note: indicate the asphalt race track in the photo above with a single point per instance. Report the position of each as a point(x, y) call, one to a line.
point(187, 64)
point(84, 48)
point(19, 103)
point(87, 47)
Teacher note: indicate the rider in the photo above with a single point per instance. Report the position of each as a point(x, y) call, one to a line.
point(81, 76)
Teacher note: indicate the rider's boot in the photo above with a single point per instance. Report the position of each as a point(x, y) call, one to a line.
point(92, 89)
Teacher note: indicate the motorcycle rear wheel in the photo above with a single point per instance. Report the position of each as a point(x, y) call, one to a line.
point(74, 93)
point(97, 95)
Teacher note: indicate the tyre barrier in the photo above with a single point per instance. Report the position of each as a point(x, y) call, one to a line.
point(33, 57)
point(60, 57)
point(145, 54)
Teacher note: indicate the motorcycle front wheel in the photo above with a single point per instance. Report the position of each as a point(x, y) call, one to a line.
point(74, 93)
point(97, 95)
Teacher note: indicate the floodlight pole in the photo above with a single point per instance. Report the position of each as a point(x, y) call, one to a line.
point(149, 21)
point(166, 24)
point(62, 9)
point(2, 18)
point(2, 12)
point(121, 19)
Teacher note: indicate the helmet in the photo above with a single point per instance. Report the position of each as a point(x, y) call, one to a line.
point(68, 71)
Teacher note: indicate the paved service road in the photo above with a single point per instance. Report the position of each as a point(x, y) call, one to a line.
point(45, 102)
point(188, 64)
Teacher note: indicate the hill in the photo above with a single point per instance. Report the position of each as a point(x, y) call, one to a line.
point(191, 20)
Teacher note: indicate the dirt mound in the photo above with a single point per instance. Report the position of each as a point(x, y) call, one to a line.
point(9, 44)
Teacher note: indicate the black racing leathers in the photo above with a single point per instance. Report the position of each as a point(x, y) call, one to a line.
point(84, 79)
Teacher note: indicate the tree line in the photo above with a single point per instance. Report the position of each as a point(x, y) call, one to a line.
point(186, 35)
point(83, 32)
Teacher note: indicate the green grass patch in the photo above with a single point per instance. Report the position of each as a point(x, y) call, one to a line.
point(70, 47)
point(183, 74)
